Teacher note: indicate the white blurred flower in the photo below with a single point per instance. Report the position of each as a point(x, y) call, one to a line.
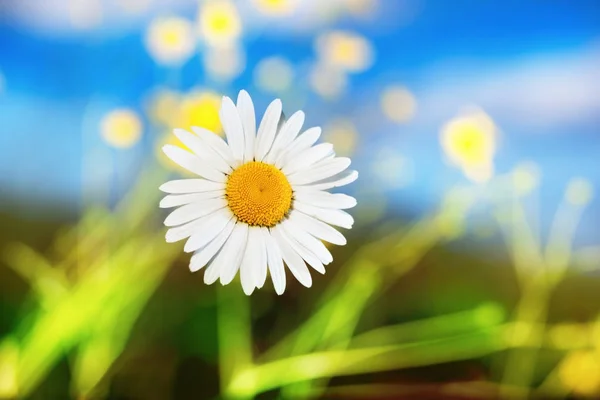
point(398, 104)
point(224, 63)
point(469, 141)
point(121, 128)
point(328, 82)
point(276, 7)
point(345, 50)
point(170, 40)
point(579, 191)
point(393, 169)
point(219, 22)
point(343, 135)
point(274, 74)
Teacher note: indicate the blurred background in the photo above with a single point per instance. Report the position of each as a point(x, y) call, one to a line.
point(471, 269)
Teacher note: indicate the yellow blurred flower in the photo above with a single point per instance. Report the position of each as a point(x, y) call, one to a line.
point(274, 74)
point(219, 22)
point(199, 108)
point(469, 141)
point(224, 63)
point(327, 82)
point(362, 8)
point(276, 7)
point(398, 104)
point(121, 128)
point(345, 50)
point(170, 41)
point(580, 372)
point(579, 191)
point(163, 106)
point(343, 135)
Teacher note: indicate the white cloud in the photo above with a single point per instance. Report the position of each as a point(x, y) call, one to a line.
point(542, 91)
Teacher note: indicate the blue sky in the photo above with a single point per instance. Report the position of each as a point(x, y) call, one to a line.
point(533, 66)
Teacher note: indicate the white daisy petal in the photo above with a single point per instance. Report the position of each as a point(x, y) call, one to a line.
point(186, 230)
point(227, 260)
point(246, 111)
point(202, 151)
point(232, 125)
point(309, 242)
point(308, 256)
point(203, 256)
point(275, 262)
point(234, 249)
point(192, 163)
point(328, 215)
point(176, 200)
point(211, 274)
point(251, 260)
point(267, 130)
point(217, 144)
point(338, 180)
point(181, 186)
point(306, 158)
point(209, 229)
point(260, 274)
point(301, 143)
point(286, 136)
point(193, 211)
point(318, 198)
point(319, 171)
point(292, 259)
point(317, 228)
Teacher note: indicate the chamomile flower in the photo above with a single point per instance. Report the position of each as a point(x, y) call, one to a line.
point(260, 200)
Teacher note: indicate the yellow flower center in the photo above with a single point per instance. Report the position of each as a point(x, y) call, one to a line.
point(259, 194)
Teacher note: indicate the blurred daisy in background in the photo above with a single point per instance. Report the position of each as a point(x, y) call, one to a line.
point(579, 191)
point(276, 7)
point(219, 23)
point(199, 108)
point(121, 128)
point(345, 50)
point(398, 104)
point(580, 372)
point(274, 74)
point(393, 169)
point(170, 40)
point(224, 63)
point(343, 135)
point(327, 82)
point(526, 177)
point(260, 199)
point(469, 141)
point(162, 106)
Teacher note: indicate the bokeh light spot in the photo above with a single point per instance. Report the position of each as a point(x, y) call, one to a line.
point(398, 104)
point(121, 128)
point(274, 74)
point(170, 41)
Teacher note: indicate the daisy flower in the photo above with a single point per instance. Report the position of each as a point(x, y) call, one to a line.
point(261, 199)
